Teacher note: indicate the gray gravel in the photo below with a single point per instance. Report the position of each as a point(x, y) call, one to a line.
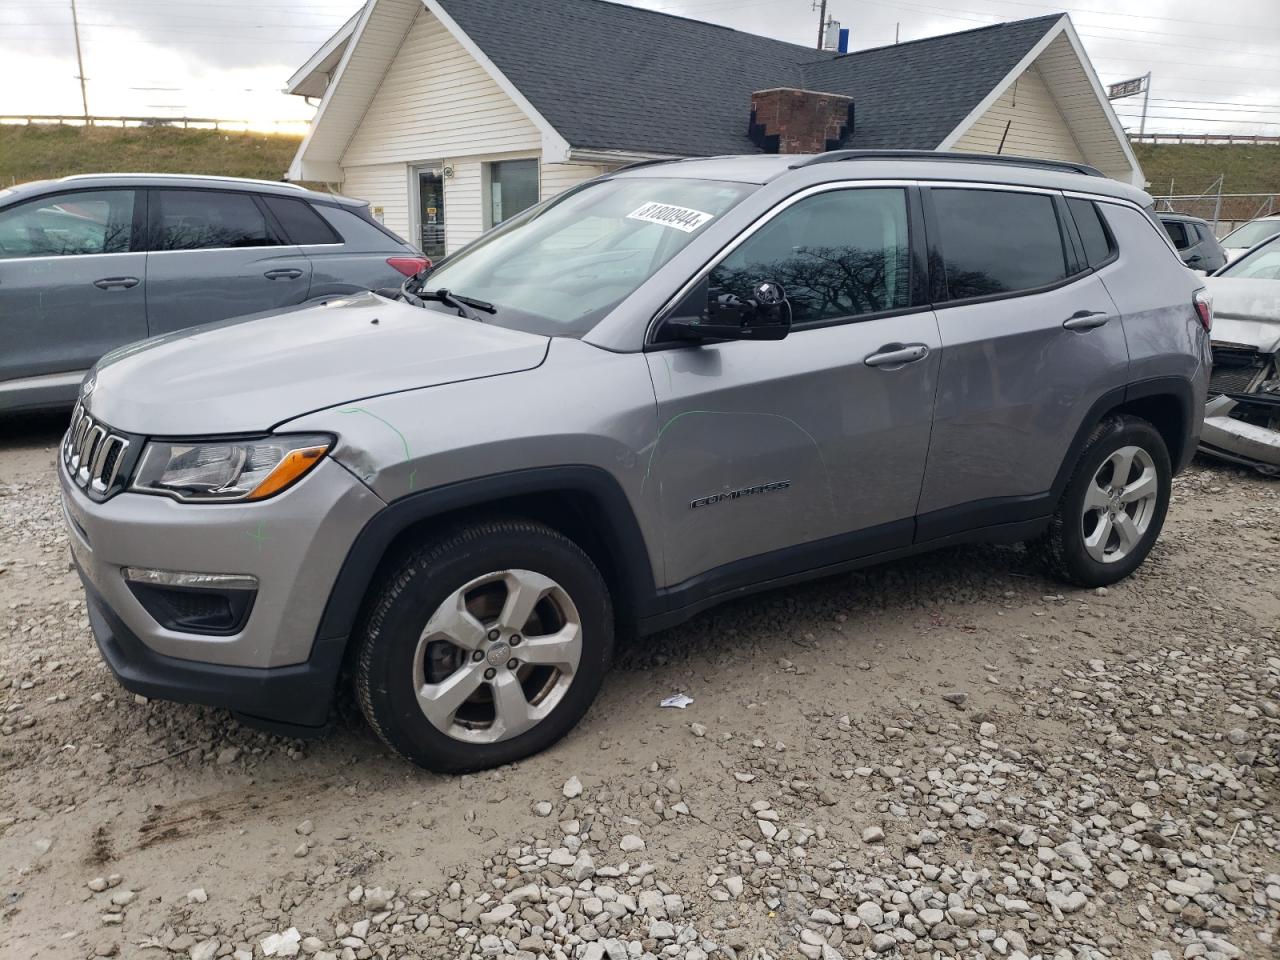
point(952, 757)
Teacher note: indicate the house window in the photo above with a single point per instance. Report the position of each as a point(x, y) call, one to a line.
point(513, 188)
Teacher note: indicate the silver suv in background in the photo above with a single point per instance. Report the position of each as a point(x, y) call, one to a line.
point(671, 386)
point(89, 263)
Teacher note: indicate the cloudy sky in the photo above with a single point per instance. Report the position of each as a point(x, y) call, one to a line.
point(1215, 66)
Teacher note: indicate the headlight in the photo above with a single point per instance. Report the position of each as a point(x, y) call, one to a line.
point(227, 470)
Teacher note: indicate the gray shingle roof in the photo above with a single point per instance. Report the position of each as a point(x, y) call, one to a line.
point(911, 95)
point(612, 77)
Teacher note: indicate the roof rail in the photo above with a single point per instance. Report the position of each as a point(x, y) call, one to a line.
point(834, 156)
point(186, 176)
point(649, 163)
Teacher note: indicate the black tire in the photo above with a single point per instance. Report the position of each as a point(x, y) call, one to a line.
point(388, 639)
point(1062, 548)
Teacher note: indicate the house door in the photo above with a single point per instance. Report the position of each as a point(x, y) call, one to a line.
point(431, 213)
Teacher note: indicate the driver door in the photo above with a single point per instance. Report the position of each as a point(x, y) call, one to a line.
point(783, 456)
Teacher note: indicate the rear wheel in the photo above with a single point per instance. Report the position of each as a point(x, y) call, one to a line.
point(1113, 507)
point(487, 646)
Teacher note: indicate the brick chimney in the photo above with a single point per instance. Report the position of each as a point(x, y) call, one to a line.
point(786, 120)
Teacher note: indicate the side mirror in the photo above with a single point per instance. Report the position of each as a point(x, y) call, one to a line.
point(765, 315)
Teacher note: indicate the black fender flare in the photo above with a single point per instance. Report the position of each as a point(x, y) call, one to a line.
point(624, 538)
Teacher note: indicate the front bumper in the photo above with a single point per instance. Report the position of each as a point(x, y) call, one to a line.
point(1234, 440)
point(275, 667)
point(292, 700)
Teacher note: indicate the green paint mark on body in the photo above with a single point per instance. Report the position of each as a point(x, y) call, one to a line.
point(258, 536)
point(391, 426)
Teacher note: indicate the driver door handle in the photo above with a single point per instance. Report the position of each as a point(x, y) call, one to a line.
point(116, 283)
point(288, 273)
point(1085, 320)
point(896, 355)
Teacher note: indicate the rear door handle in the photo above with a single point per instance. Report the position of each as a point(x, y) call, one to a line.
point(114, 283)
point(896, 355)
point(1085, 320)
point(289, 273)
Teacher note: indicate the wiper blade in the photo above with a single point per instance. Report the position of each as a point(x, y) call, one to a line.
point(464, 305)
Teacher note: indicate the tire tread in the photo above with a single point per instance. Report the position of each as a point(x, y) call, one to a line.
point(419, 563)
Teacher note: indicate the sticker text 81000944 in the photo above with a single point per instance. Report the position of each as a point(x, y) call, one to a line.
point(670, 215)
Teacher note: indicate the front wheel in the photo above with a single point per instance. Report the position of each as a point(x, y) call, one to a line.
point(1113, 507)
point(486, 646)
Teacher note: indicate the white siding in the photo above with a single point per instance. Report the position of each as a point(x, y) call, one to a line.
point(463, 205)
point(384, 185)
point(435, 102)
point(1035, 125)
point(559, 177)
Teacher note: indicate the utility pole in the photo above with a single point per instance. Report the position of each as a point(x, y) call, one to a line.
point(1146, 93)
point(84, 95)
point(821, 7)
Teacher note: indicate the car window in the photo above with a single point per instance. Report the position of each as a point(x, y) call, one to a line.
point(1260, 264)
point(1177, 233)
point(300, 221)
point(1254, 232)
point(207, 220)
point(1098, 246)
point(837, 254)
point(68, 224)
point(993, 242)
point(558, 268)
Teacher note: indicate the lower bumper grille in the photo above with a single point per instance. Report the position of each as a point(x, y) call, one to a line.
point(1235, 370)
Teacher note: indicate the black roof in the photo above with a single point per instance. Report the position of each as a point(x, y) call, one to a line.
point(612, 77)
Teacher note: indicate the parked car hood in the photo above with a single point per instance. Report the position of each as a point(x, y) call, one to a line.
point(1246, 311)
point(248, 374)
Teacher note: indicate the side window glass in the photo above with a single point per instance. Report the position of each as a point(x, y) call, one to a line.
point(206, 220)
point(994, 242)
point(1177, 233)
point(301, 221)
point(1098, 245)
point(837, 254)
point(68, 224)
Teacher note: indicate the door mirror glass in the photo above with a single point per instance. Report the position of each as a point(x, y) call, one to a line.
point(707, 314)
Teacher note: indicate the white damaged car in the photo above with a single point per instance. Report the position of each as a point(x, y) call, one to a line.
point(1242, 416)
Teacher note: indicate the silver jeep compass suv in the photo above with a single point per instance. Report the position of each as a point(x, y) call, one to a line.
point(672, 385)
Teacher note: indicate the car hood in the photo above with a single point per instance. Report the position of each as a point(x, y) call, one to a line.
point(251, 373)
point(1246, 311)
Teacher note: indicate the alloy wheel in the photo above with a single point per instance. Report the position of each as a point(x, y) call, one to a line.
point(497, 656)
point(1119, 504)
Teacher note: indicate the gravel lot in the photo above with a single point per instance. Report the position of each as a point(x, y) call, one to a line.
point(946, 757)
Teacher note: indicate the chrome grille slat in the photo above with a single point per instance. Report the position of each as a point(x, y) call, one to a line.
point(92, 453)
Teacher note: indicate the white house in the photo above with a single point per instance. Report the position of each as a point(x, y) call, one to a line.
point(449, 116)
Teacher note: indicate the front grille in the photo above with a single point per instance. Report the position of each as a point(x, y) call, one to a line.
point(95, 455)
point(1235, 369)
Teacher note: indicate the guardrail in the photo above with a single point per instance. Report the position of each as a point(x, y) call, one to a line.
point(199, 123)
point(1203, 138)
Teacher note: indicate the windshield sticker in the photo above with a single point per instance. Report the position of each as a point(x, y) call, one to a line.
point(669, 215)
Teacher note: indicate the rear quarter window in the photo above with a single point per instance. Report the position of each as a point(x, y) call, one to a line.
point(1099, 246)
point(358, 233)
point(300, 221)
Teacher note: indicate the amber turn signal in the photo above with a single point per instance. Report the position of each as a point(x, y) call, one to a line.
point(293, 467)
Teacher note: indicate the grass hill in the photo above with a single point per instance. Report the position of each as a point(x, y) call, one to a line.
point(41, 152)
point(1193, 167)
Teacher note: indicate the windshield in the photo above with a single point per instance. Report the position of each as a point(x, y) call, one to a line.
point(1251, 233)
point(562, 267)
point(1261, 264)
